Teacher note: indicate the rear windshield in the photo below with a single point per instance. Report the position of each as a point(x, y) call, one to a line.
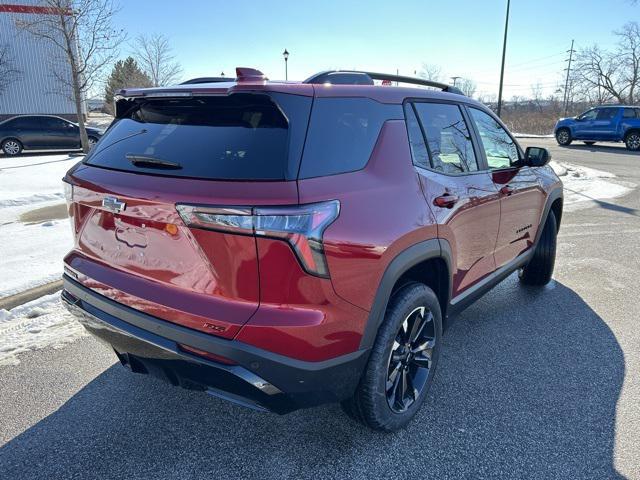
point(235, 137)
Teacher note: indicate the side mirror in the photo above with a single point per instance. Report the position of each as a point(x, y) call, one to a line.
point(536, 157)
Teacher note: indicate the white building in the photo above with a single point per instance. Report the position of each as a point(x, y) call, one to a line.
point(34, 89)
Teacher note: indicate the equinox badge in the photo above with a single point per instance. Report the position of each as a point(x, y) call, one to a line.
point(113, 204)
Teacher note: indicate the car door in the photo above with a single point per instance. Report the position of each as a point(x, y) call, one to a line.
point(68, 133)
point(59, 133)
point(606, 122)
point(521, 194)
point(30, 131)
point(460, 193)
point(583, 128)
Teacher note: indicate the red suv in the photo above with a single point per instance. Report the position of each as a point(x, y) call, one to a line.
point(283, 245)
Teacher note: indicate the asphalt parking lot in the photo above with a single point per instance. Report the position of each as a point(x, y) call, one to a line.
point(531, 384)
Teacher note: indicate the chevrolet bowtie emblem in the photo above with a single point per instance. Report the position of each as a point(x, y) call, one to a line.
point(113, 204)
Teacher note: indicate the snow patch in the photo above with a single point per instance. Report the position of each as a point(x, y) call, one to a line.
point(584, 186)
point(31, 199)
point(531, 135)
point(44, 322)
point(31, 254)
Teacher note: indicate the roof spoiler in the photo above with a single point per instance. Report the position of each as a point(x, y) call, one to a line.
point(355, 77)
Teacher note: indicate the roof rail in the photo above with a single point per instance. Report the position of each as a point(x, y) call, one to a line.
point(355, 77)
point(207, 80)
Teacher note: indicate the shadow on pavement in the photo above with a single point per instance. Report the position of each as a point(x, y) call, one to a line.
point(606, 205)
point(599, 147)
point(527, 387)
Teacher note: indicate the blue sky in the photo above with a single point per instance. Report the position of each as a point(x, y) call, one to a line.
point(463, 37)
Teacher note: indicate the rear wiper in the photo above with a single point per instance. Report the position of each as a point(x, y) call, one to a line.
point(145, 161)
point(134, 134)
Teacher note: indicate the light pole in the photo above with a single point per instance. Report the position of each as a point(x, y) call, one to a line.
point(504, 54)
point(455, 79)
point(285, 54)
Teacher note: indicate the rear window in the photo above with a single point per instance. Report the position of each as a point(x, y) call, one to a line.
point(235, 137)
point(342, 134)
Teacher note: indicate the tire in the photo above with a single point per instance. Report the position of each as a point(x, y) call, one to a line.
point(11, 147)
point(92, 142)
point(384, 403)
point(540, 268)
point(632, 141)
point(563, 137)
point(589, 143)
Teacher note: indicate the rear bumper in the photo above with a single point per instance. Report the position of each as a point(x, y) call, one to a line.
point(257, 379)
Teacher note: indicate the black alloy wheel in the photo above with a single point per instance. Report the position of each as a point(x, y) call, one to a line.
point(410, 360)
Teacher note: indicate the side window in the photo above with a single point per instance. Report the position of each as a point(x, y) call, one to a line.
point(35, 123)
point(342, 134)
point(499, 147)
point(589, 115)
point(607, 113)
point(58, 124)
point(23, 122)
point(419, 151)
point(629, 113)
point(448, 137)
point(50, 123)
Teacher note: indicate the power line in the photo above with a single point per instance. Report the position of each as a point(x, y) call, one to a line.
point(527, 62)
point(545, 84)
point(536, 67)
point(536, 60)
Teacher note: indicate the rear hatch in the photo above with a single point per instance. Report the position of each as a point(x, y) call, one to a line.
point(222, 153)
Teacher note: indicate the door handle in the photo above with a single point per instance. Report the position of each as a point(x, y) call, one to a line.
point(445, 201)
point(506, 190)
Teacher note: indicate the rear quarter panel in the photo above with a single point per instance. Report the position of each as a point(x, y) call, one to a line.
point(382, 212)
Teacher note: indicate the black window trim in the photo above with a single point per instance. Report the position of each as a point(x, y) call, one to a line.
point(480, 159)
point(479, 140)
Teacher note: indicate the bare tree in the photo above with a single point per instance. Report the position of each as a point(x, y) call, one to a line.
point(8, 72)
point(467, 86)
point(155, 56)
point(612, 74)
point(431, 72)
point(83, 34)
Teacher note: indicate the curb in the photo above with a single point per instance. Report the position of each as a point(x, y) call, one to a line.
point(13, 301)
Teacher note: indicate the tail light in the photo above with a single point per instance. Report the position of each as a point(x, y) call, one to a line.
point(68, 196)
point(301, 226)
point(68, 192)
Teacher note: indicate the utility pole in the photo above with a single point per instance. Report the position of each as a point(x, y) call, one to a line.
point(566, 84)
point(504, 54)
point(455, 79)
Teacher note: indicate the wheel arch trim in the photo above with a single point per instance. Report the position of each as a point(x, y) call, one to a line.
point(417, 253)
point(554, 195)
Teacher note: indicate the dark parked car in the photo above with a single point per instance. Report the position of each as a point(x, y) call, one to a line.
point(602, 124)
point(283, 245)
point(42, 132)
